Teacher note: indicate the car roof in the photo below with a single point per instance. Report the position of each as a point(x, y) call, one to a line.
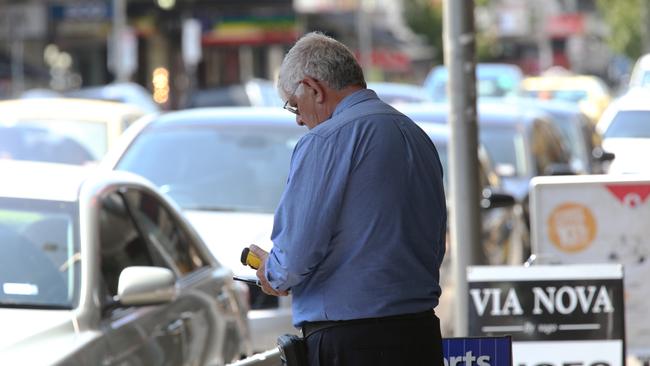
point(555, 82)
point(257, 116)
point(44, 181)
point(493, 111)
point(635, 99)
point(70, 108)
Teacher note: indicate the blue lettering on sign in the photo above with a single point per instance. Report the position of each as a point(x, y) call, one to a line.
point(478, 351)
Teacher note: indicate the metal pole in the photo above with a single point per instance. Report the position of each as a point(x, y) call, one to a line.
point(119, 27)
point(17, 61)
point(465, 222)
point(364, 31)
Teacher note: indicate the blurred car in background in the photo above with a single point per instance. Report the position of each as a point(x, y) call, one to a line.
point(589, 92)
point(492, 80)
point(640, 76)
point(522, 141)
point(102, 269)
point(625, 127)
point(504, 236)
point(226, 168)
point(127, 93)
point(74, 131)
point(399, 93)
point(579, 134)
point(255, 92)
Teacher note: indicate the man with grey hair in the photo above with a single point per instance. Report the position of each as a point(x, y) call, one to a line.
point(359, 233)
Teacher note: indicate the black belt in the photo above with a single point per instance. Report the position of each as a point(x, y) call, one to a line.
point(310, 328)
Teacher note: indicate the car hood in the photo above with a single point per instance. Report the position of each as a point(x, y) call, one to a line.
point(630, 154)
point(227, 233)
point(38, 335)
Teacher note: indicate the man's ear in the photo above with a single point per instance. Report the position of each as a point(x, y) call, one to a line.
point(316, 88)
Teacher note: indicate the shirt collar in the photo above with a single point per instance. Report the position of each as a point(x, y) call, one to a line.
point(352, 99)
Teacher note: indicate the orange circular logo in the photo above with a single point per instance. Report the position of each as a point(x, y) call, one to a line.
point(571, 227)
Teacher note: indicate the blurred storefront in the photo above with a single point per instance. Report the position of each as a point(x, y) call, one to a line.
point(375, 30)
point(538, 35)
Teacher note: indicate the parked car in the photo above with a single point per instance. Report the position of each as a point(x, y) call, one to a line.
point(255, 92)
point(625, 127)
point(122, 92)
point(521, 141)
point(91, 126)
point(504, 234)
point(226, 168)
point(640, 76)
point(495, 80)
point(579, 134)
point(588, 92)
point(99, 268)
point(400, 93)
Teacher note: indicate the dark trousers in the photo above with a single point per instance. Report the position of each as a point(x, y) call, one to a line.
point(381, 341)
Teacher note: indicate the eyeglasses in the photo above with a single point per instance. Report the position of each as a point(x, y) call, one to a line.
point(291, 108)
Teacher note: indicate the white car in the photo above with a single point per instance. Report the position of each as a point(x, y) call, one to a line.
point(100, 269)
point(226, 168)
point(625, 127)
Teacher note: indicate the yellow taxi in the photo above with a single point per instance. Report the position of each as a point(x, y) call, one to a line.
point(63, 130)
point(589, 92)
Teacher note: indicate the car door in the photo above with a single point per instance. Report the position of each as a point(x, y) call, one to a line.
point(205, 302)
point(137, 335)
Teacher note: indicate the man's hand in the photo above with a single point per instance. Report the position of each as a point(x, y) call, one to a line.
point(266, 286)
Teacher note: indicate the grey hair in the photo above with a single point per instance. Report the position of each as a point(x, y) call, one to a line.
point(320, 57)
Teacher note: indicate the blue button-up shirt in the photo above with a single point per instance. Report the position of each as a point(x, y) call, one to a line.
point(360, 229)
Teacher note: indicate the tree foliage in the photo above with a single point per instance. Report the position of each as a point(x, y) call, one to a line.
point(425, 18)
point(625, 20)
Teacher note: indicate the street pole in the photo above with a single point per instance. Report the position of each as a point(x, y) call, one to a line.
point(364, 31)
point(465, 221)
point(119, 28)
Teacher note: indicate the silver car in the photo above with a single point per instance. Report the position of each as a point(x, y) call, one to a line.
point(100, 269)
point(226, 168)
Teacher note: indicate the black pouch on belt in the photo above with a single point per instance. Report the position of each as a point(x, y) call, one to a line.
point(293, 350)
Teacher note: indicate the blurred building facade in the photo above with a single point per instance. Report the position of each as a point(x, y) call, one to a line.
point(65, 44)
point(538, 35)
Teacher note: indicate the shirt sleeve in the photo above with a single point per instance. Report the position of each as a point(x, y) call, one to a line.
point(306, 217)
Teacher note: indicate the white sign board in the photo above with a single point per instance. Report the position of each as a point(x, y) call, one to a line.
point(555, 314)
point(599, 219)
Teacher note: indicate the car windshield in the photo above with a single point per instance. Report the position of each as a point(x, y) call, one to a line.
point(39, 254)
point(563, 95)
point(506, 147)
point(71, 140)
point(571, 134)
point(216, 167)
point(629, 124)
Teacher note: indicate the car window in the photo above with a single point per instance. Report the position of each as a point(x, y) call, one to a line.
point(91, 136)
point(163, 229)
point(547, 147)
point(39, 252)
point(506, 146)
point(629, 124)
point(122, 242)
point(227, 168)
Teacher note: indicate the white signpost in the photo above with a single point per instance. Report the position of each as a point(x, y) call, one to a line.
point(557, 315)
point(599, 219)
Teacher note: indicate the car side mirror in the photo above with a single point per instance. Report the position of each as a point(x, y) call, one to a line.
point(601, 155)
point(141, 285)
point(491, 199)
